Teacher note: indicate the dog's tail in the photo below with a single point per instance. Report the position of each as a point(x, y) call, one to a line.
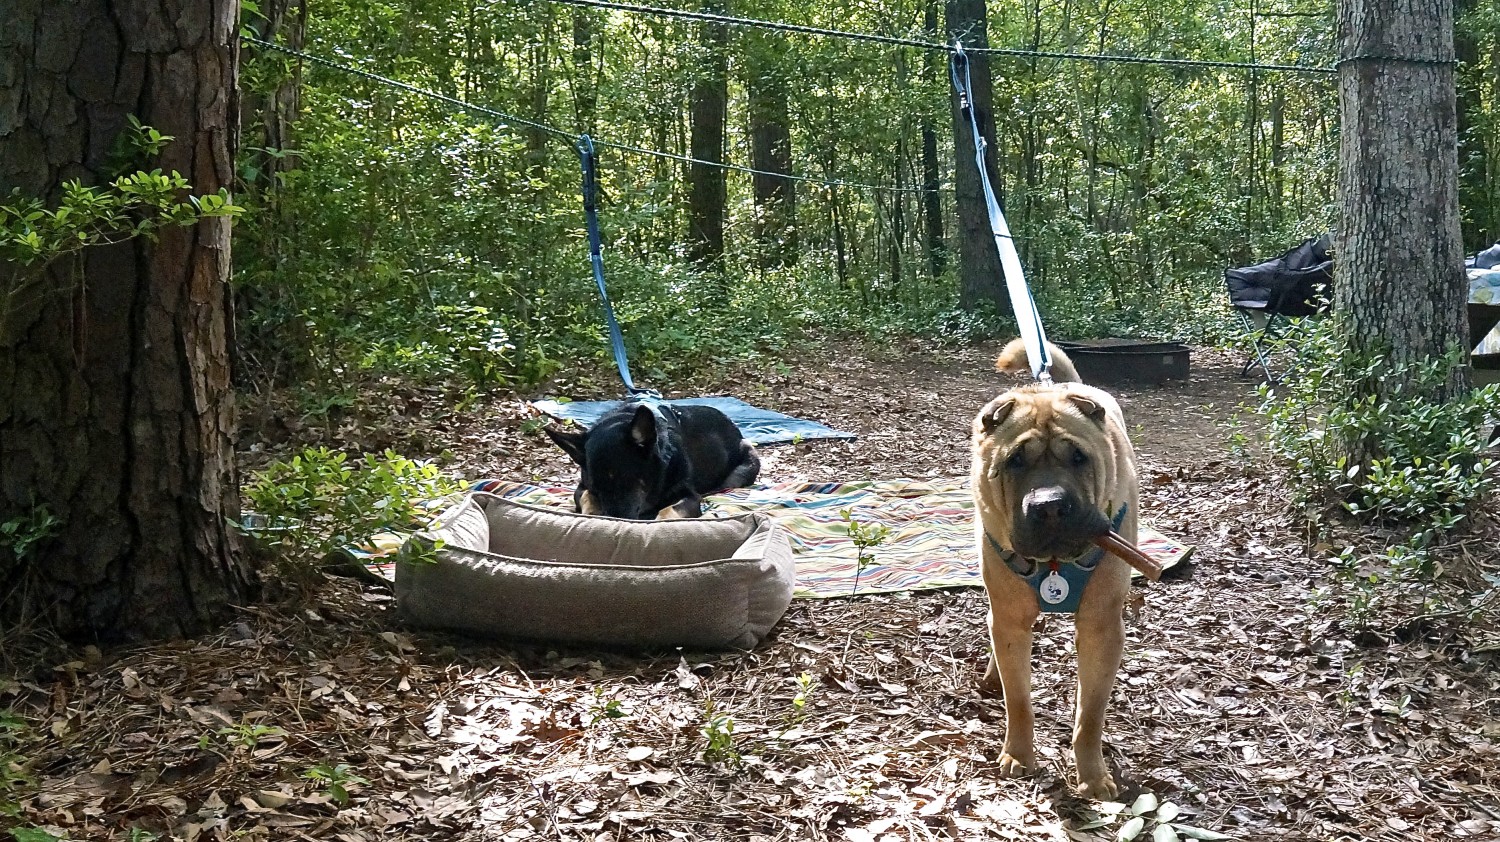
point(1013, 359)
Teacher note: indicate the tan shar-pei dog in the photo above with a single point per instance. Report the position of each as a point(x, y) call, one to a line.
point(1052, 468)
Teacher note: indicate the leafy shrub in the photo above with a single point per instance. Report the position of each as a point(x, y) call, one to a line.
point(1428, 474)
point(1429, 471)
point(316, 502)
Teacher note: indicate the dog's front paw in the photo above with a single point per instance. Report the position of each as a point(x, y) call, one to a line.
point(1012, 766)
point(1101, 787)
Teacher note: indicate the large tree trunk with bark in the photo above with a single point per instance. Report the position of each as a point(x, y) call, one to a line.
point(979, 276)
point(1399, 284)
point(706, 185)
point(116, 414)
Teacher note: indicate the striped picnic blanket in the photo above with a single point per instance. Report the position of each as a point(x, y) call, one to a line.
point(929, 543)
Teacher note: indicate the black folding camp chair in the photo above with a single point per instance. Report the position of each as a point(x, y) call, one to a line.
point(1264, 296)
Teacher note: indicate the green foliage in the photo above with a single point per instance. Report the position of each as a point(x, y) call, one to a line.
point(19, 535)
point(13, 765)
point(241, 737)
point(805, 687)
point(319, 501)
point(336, 780)
point(866, 537)
point(718, 735)
point(135, 204)
point(1426, 474)
point(1427, 469)
point(403, 237)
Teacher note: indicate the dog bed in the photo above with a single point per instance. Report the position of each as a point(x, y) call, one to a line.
point(515, 570)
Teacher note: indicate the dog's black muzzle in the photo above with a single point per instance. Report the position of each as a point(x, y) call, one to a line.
point(1055, 522)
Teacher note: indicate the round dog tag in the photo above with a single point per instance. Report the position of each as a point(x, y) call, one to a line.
point(1053, 589)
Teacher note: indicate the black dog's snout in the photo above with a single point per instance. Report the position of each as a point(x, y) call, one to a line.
point(1048, 504)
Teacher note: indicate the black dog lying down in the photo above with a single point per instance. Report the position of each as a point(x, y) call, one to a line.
point(644, 460)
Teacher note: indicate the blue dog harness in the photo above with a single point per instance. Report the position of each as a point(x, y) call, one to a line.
point(1058, 584)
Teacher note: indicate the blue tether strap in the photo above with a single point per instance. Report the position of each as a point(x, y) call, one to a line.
point(1058, 585)
point(1028, 320)
point(596, 256)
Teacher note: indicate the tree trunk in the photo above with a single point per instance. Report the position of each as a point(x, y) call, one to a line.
point(706, 185)
point(932, 200)
point(979, 278)
point(1473, 189)
point(771, 151)
point(116, 413)
point(1399, 282)
point(585, 76)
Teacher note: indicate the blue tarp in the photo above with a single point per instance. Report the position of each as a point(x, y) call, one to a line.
point(759, 426)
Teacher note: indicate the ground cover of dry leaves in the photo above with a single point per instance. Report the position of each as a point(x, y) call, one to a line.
point(1253, 712)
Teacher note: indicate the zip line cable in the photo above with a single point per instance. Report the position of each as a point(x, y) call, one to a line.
point(510, 120)
point(728, 20)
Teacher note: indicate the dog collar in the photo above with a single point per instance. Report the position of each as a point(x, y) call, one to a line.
point(1058, 583)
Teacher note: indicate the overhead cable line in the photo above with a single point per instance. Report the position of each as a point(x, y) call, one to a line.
point(510, 120)
point(890, 40)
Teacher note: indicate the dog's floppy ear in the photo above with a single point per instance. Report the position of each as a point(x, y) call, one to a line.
point(570, 441)
point(643, 426)
point(995, 413)
point(1091, 410)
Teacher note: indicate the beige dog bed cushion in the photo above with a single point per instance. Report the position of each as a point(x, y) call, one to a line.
point(515, 570)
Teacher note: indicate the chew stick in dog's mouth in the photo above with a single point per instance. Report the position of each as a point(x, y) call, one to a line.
point(1112, 542)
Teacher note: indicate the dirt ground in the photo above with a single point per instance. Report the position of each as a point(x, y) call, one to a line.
point(1243, 701)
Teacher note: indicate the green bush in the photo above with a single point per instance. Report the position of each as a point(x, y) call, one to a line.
point(1430, 469)
point(318, 501)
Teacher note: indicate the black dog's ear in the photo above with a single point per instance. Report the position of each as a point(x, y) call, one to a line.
point(643, 426)
point(570, 441)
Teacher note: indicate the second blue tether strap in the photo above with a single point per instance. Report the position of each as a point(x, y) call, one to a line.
point(1028, 320)
point(596, 256)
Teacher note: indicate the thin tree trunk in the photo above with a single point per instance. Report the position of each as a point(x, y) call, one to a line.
point(540, 93)
point(116, 412)
point(1473, 191)
point(585, 78)
point(980, 280)
point(932, 201)
point(707, 192)
point(771, 152)
point(1399, 283)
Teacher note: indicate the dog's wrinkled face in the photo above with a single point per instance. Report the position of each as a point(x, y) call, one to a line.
point(622, 468)
point(1042, 465)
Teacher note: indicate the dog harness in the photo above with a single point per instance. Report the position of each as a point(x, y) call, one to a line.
point(1058, 584)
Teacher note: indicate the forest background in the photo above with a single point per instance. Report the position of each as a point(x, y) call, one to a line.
point(390, 233)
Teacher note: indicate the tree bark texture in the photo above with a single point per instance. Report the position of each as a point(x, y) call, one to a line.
point(1399, 281)
point(979, 276)
point(707, 194)
point(116, 412)
point(771, 152)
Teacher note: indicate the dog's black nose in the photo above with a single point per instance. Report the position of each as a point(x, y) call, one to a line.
point(1047, 504)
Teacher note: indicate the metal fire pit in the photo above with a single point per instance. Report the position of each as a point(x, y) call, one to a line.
point(1128, 360)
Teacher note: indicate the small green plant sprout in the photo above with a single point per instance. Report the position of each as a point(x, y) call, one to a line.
point(866, 537)
point(336, 780)
point(1148, 811)
point(805, 687)
point(242, 736)
point(19, 535)
point(718, 732)
point(602, 709)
